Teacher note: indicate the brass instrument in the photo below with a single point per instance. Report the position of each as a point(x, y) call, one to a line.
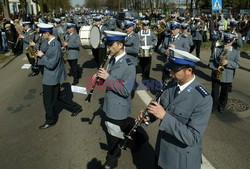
point(159, 29)
point(221, 67)
point(29, 49)
point(62, 42)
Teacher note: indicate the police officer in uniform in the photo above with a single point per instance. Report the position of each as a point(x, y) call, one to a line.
point(185, 32)
point(184, 110)
point(197, 33)
point(175, 40)
point(54, 74)
point(148, 41)
point(117, 99)
point(72, 43)
point(27, 37)
point(223, 63)
point(101, 51)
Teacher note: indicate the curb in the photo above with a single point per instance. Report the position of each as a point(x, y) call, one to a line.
point(7, 62)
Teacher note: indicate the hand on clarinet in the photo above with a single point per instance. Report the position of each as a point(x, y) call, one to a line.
point(156, 109)
point(102, 73)
point(142, 116)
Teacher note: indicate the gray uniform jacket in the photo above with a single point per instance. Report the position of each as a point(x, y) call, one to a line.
point(102, 29)
point(132, 47)
point(117, 100)
point(111, 24)
point(42, 44)
point(196, 32)
point(190, 39)
point(54, 70)
point(28, 36)
point(151, 39)
point(233, 58)
point(179, 141)
point(181, 43)
point(239, 42)
point(73, 48)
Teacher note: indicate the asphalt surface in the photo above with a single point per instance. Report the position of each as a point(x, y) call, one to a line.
point(73, 143)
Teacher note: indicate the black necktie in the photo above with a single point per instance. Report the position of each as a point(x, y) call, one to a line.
point(176, 92)
point(173, 39)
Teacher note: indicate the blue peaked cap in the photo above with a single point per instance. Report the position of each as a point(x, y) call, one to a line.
point(115, 36)
point(175, 25)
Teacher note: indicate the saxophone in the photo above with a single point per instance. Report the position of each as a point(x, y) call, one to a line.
point(29, 49)
point(221, 67)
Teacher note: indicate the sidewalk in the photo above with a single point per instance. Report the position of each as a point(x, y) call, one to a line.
point(4, 60)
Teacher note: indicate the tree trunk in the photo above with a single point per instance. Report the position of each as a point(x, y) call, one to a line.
point(6, 9)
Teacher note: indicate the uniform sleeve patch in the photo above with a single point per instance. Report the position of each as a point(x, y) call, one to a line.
point(202, 91)
point(129, 62)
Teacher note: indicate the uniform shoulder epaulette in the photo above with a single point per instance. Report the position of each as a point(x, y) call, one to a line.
point(183, 35)
point(129, 62)
point(202, 91)
point(53, 44)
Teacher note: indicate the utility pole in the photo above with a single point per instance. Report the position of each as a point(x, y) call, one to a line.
point(6, 9)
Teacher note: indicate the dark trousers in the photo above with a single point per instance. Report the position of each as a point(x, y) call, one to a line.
point(113, 142)
point(99, 54)
point(160, 39)
point(50, 96)
point(220, 94)
point(197, 46)
point(145, 63)
point(74, 68)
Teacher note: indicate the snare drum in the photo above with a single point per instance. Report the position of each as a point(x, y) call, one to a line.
point(90, 37)
point(145, 51)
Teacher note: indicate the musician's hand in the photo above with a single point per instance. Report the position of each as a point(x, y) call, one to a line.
point(94, 76)
point(39, 53)
point(224, 62)
point(21, 36)
point(32, 43)
point(141, 116)
point(102, 73)
point(156, 109)
point(172, 45)
point(65, 44)
point(167, 52)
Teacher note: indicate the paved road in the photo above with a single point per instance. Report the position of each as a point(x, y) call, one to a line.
point(75, 144)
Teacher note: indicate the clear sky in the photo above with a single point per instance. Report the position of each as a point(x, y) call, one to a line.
point(74, 2)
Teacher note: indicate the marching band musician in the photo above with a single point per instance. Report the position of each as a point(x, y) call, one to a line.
point(39, 44)
point(72, 43)
point(161, 25)
point(132, 42)
point(54, 74)
point(197, 33)
point(185, 32)
point(117, 99)
point(184, 111)
point(27, 37)
point(223, 62)
point(238, 43)
point(148, 41)
point(168, 24)
point(101, 51)
point(58, 30)
point(175, 40)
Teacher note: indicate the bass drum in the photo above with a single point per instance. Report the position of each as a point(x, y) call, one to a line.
point(90, 37)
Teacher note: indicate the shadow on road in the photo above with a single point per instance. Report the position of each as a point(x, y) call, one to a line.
point(244, 55)
point(89, 64)
point(94, 164)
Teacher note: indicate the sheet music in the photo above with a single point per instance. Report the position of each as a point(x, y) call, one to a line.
point(26, 66)
point(78, 89)
point(114, 130)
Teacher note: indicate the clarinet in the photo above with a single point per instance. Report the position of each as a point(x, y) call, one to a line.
point(128, 136)
point(88, 98)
